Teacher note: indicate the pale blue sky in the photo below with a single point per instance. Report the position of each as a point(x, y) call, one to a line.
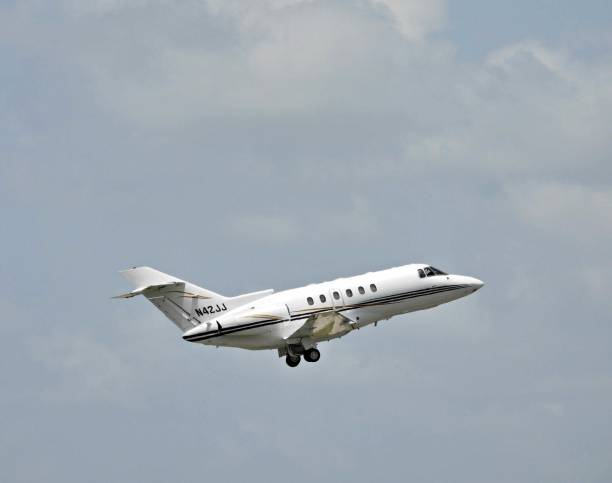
point(248, 145)
point(478, 26)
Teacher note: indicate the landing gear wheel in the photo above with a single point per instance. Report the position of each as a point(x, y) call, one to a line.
point(292, 361)
point(312, 355)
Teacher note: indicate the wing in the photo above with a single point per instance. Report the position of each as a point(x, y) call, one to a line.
point(328, 325)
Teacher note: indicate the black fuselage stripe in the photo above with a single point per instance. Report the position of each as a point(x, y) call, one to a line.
point(236, 328)
point(380, 301)
point(231, 330)
point(388, 300)
point(399, 296)
point(395, 299)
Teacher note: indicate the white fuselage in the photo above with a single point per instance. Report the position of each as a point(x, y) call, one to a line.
point(331, 309)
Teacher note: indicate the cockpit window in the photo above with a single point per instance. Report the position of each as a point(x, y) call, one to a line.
point(438, 272)
point(430, 272)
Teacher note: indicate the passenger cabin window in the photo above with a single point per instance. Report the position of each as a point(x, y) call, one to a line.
point(349, 292)
point(421, 273)
point(336, 295)
point(310, 301)
point(373, 287)
point(361, 290)
point(322, 298)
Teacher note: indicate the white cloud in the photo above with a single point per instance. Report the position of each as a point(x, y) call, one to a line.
point(157, 63)
point(509, 57)
point(279, 61)
point(416, 18)
point(526, 109)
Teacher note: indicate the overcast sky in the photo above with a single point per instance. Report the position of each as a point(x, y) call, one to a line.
point(245, 145)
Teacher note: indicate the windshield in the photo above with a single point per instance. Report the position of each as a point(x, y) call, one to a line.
point(438, 272)
point(430, 272)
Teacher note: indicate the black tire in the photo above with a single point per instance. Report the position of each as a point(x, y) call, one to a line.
point(312, 355)
point(292, 361)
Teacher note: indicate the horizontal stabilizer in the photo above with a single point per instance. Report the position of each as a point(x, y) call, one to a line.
point(141, 290)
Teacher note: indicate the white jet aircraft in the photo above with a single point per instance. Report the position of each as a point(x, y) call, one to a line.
point(295, 321)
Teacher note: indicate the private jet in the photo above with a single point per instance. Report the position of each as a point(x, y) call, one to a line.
point(295, 321)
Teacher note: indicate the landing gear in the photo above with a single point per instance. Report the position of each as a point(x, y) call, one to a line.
point(292, 361)
point(293, 354)
point(312, 355)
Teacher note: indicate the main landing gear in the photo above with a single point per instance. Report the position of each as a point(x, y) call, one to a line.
point(310, 355)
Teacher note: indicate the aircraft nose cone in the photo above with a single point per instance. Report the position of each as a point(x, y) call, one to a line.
point(476, 284)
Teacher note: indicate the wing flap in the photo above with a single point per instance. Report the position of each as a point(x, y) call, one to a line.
point(324, 326)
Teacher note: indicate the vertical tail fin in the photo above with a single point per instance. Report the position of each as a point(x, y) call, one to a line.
point(179, 300)
point(185, 304)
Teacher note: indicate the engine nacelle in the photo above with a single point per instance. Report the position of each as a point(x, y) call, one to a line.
point(240, 319)
point(256, 314)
